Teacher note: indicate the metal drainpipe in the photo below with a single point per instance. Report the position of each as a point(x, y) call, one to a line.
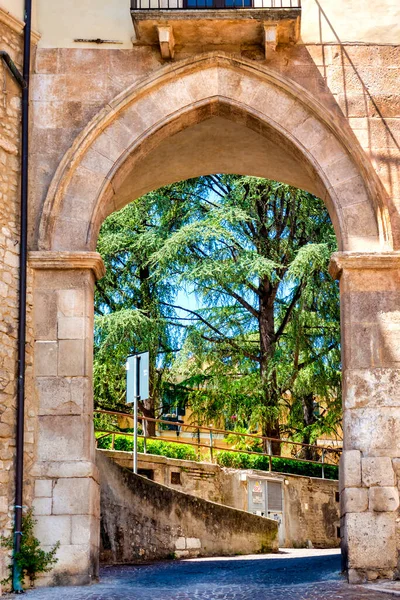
point(19, 460)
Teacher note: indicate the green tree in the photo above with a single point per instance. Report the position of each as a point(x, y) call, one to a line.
point(131, 304)
point(267, 335)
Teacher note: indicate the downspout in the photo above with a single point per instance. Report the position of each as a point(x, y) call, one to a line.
point(19, 458)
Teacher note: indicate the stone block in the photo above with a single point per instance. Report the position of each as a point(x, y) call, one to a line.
point(45, 315)
point(180, 543)
point(45, 358)
point(354, 500)
point(76, 497)
point(72, 559)
point(356, 577)
point(51, 529)
point(383, 499)
point(85, 528)
point(61, 395)
point(63, 438)
point(42, 506)
point(193, 543)
point(71, 358)
point(43, 488)
point(71, 303)
point(4, 505)
point(374, 431)
point(371, 387)
point(350, 469)
point(371, 540)
point(71, 328)
point(377, 471)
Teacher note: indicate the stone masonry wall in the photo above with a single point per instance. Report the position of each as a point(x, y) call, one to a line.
point(144, 520)
point(10, 41)
point(311, 505)
point(358, 81)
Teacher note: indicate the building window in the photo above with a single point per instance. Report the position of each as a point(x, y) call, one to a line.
point(176, 478)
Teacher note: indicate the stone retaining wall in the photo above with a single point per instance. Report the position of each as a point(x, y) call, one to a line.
point(144, 520)
point(311, 505)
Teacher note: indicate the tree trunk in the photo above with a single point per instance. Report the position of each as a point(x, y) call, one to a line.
point(307, 403)
point(270, 426)
point(146, 306)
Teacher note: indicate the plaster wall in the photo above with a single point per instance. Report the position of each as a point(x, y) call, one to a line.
point(311, 505)
point(14, 7)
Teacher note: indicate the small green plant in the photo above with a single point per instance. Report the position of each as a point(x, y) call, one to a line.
point(31, 559)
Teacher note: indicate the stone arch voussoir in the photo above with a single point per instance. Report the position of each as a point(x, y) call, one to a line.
point(83, 189)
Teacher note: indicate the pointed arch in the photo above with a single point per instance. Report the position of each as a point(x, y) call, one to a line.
point(108, 164)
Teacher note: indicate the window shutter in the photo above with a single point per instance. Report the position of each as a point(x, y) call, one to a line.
point(274, 496)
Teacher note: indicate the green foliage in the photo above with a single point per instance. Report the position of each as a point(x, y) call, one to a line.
point(239, 460)
point(31, 559)
point(264, 345)
point(158, 447)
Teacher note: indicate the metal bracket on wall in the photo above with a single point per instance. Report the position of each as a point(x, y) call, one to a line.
point(6, 58)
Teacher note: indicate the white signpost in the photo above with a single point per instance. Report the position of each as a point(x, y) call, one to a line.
point(137, 388)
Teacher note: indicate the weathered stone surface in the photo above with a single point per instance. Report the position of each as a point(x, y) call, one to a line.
point(42, 506)
point(372, 387)
point(377, 471)
point(371, 540)
point(350, 469)
point(383, 499)
point(46, 356)
point(61, 395)
point(178, 518)
point(63, 438)
point(302, 497)
point(75, 497)
point(51, 529)
point(374, 431)
point(43, 488)
point(354, 500)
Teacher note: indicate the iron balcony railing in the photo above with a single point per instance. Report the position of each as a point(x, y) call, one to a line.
point(212, 4)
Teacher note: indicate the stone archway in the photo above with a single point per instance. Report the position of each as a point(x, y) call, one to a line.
point(215, 114)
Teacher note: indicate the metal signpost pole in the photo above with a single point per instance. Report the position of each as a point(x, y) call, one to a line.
point(135, 412)
point(137, 388)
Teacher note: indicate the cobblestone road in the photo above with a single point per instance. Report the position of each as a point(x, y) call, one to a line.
point(292, 575)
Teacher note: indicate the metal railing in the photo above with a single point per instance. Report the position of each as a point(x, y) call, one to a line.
point(272, 448)
point(212, 4)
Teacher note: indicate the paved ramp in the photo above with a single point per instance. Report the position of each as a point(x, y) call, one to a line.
point(292, 575)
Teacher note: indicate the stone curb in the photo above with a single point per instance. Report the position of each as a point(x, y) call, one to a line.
point(383, 590)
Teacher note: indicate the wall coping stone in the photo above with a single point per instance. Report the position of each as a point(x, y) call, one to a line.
point(67, 260)
point(359, 261)
point(16, 24)
point(65, 470)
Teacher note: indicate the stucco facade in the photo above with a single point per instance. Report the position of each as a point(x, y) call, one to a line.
point(110, 123)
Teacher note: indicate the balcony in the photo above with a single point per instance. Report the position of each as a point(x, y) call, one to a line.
point(211, 23)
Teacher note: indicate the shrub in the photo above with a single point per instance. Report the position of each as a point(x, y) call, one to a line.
point(239, 460)
point(158, 447)
point(233, 460)
point(31, 559)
